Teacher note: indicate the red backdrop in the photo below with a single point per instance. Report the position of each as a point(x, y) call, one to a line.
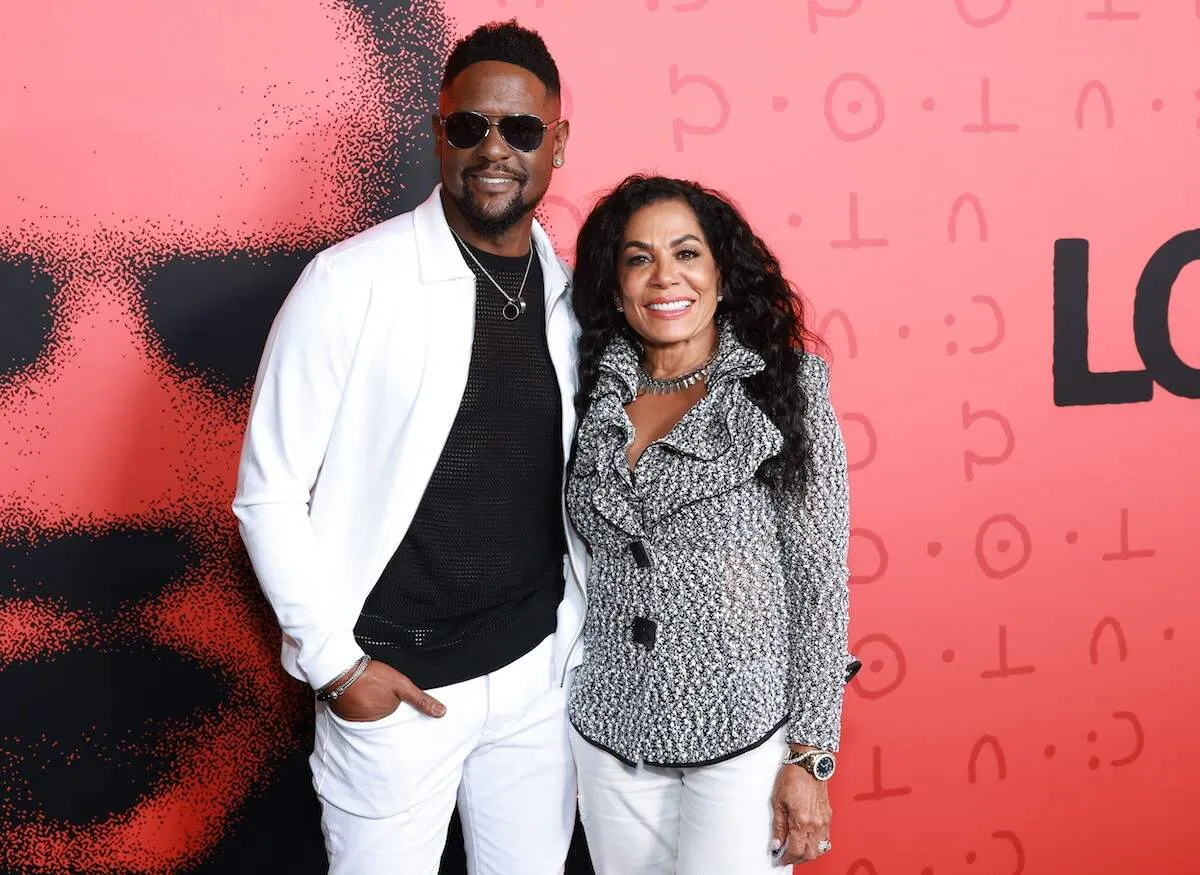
point(1021, 550)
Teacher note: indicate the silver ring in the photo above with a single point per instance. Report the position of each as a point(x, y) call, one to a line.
point(824, 846)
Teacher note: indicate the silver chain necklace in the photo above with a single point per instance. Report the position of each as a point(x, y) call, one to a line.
point(516, 304)
point(651, 386)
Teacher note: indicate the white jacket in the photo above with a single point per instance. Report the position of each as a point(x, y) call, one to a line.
point(359, 385)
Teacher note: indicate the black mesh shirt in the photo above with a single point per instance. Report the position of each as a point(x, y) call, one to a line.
point(476, 582)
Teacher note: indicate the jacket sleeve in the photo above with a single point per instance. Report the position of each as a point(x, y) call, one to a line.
point(815, 530)
point(301, 377)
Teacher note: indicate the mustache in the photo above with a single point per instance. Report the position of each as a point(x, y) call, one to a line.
point(497, 169)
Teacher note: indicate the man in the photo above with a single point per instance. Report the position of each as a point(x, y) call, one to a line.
point(400, 494)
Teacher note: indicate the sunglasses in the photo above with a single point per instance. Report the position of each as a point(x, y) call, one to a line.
point(466, 130)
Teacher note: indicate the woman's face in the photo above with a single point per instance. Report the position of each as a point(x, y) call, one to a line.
point(668, 276)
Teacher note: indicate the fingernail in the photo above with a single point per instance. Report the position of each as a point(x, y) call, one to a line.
point(776, 846)
point(439, 710)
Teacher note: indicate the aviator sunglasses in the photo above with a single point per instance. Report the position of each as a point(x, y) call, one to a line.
point(466, 130)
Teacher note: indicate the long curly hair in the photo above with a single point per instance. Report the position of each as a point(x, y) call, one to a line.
point(760, 305)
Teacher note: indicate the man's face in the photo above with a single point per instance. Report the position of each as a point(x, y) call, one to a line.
point(167, 170)
point(492, 184)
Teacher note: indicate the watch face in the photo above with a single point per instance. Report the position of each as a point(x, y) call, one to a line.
point(823, 767)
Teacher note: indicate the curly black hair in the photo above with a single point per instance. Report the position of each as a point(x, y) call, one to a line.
point(760, 305)
point(504, 41)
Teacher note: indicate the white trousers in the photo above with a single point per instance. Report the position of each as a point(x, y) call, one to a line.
point(388, 787)
point(647, 820)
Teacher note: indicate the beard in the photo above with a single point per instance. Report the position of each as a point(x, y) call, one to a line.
point(492, 225)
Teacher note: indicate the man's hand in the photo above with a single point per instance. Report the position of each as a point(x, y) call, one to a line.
point(379, 692)
point(801, 815)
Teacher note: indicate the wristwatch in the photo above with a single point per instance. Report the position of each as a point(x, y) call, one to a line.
point(821, 764)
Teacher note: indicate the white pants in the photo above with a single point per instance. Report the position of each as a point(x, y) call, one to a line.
point(647, 820)
point(388, 787)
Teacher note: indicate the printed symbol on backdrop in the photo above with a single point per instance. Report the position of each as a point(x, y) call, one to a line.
point(1001, 9)
point(855, 241)
point(956, 209)
point(881, 554)
point(1014, 842)
point(1005, 670)
point(985, 125)
point(681, 6)
point(1108, 13)
point(868, 455)
point(878, 791)
point(1137, 738)
point(1125, 553)
point(1095, 86)
point(564, 230)
point(817, 11)
point(994, 543)
point(853, 88)
point(862, 867)
point(1117, 635)
point(970, 457)
point(682, 127)
point(997, 316)
point(1074, 382)
point(992, 744)
point(1001, 835)
point(839, 317)
point(883, 663)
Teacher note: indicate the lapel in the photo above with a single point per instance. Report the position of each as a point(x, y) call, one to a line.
point(446, 300)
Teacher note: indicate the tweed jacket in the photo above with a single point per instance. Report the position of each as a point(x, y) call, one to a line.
point(717, 608)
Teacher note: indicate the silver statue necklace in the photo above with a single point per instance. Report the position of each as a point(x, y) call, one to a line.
point(651, 386)
point(515, 305)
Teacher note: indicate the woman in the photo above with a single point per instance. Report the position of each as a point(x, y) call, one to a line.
point(709, 480)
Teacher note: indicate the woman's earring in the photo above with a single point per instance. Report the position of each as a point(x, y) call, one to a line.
point(558, 162)
point(720, 297)
point(620, 306)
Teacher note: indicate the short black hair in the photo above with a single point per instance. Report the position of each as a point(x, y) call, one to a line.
point(508, 42)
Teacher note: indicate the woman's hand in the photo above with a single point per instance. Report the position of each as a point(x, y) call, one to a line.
point(800, 804)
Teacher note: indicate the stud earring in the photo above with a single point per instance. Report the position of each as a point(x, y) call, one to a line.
point(558, 162)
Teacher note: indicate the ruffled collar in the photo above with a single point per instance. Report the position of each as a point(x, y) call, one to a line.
point(724, 438)
point(619, 364)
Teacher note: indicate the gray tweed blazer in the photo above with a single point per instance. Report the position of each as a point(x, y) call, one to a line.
point(717, 609)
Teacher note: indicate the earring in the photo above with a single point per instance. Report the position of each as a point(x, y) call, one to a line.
point(620, 306)
point(558, 162)
point(720, 297)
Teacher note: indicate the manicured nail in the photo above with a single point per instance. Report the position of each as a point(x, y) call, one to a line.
point(776, 846)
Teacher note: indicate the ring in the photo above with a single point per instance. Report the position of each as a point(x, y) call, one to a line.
point(824, 846)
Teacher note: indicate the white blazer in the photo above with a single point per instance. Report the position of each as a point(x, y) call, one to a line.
point(359, 385)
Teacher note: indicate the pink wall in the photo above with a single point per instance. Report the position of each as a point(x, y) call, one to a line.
point(1021, 567)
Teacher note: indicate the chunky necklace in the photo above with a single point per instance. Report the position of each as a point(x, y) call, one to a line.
point(651, 386)
point(515, 305)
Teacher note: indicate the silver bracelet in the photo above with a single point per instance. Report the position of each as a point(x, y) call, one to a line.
point(338, 691)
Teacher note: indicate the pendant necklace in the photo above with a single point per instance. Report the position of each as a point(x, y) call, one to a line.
point(515, 305)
